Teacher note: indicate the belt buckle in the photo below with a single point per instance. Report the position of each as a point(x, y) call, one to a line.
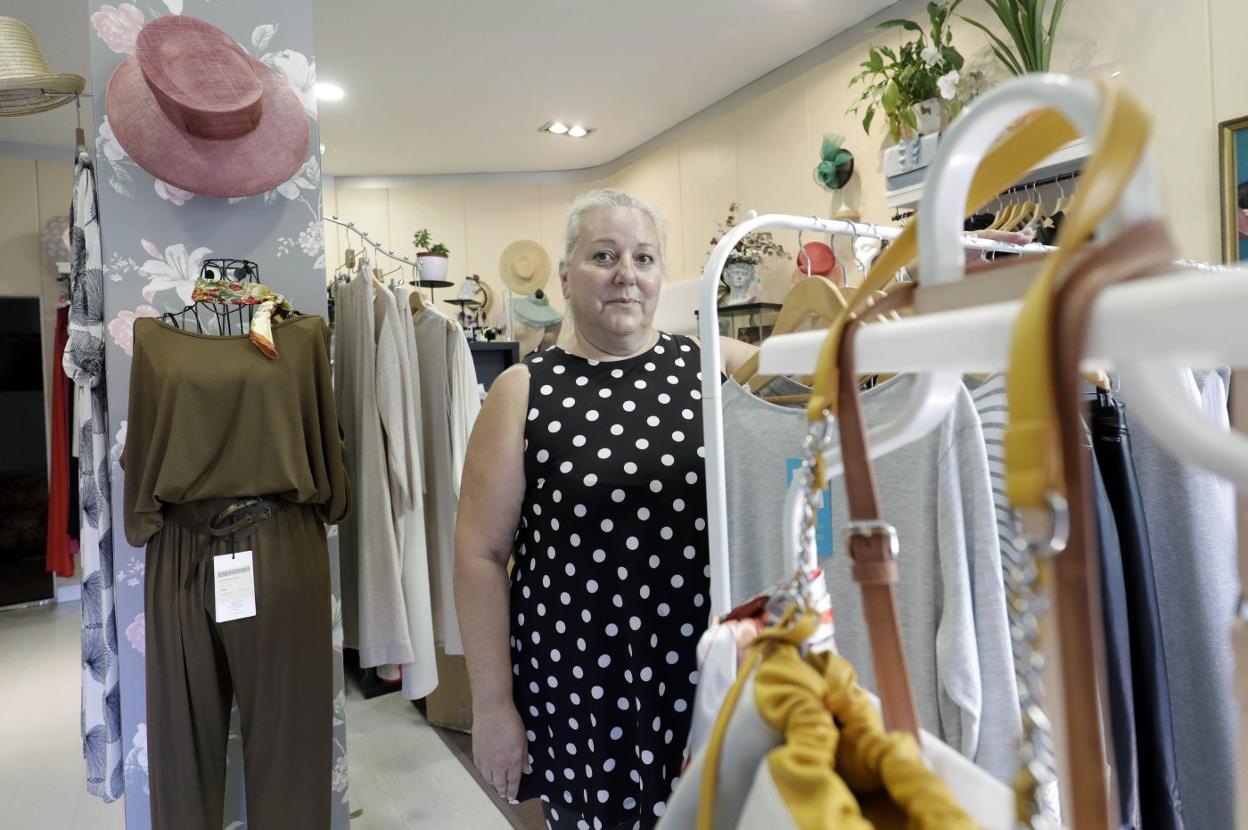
point(242, 514)
point(1044, 530)
point(870, 528)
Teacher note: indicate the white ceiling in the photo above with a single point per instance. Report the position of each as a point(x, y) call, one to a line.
point(461, 87)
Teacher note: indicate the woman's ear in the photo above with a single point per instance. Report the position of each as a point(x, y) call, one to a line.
point(563, 278)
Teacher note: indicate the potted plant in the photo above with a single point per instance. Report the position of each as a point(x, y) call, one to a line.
point(1024, 24)
point(739, 274)
point(915, 85)
point(431, 255)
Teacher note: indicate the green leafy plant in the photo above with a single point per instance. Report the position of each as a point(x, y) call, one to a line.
point(424, 243)
point(753, 247)
point(925, 67)
point(1024, 23)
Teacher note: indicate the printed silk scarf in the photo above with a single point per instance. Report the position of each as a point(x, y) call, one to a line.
point(248, 293)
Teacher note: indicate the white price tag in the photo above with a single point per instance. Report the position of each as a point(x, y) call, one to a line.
point(235, 586)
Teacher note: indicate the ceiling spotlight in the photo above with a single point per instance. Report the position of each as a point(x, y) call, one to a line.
point(329, 92)
point(557, 127)
point(577, 131)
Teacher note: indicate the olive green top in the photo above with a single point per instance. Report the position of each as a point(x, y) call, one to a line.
point(212, 417)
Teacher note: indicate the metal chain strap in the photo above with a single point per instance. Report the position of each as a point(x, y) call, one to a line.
point(818, 440)
point(1028, 606)
point(1027, 583)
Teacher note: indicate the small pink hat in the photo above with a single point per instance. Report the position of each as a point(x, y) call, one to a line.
point(197, 112)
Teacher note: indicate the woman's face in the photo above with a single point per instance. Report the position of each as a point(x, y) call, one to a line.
point(613, 277)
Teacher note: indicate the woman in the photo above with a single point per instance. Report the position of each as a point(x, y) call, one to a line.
point(586, 465)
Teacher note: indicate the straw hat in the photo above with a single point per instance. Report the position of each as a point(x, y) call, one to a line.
point(524, 266)
point(196, 111)
point(27, 85)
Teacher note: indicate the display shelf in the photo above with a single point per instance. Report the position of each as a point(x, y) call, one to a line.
point(1066, 159)
point(745, 308)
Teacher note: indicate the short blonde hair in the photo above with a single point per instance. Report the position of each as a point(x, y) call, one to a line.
point(610, 197)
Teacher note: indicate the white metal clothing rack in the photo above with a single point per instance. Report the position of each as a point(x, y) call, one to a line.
point(708, 323)
point(1149, 331)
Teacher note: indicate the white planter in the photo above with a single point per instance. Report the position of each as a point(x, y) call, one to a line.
point(432, 266)
point(928, 115)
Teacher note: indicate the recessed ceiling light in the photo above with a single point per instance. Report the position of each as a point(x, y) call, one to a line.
point(322, 149)
point(558, 128)
point(577, 131)
point(329, 92)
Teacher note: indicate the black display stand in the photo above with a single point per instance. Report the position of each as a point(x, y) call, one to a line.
point(493, 357)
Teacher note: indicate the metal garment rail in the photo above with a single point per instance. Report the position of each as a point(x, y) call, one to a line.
point(351, 226)
point(708, 329)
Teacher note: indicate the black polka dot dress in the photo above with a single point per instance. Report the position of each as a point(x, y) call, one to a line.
point(610, 589)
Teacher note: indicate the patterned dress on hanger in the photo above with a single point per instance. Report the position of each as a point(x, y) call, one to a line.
point(609, 592)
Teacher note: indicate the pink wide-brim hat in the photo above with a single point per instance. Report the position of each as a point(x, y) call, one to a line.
point(822, 260)
point(197, 112)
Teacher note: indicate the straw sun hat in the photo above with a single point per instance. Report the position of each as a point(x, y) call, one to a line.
point(524, 266)
point(27, 85)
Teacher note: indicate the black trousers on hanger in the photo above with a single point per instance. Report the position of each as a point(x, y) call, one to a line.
point(1161, 806)
point(278, 664)
point(1118, 712)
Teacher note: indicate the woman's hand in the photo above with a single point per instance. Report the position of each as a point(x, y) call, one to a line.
point(499, 747)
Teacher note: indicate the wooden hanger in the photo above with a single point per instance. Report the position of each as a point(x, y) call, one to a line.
point(814, 298)
point(416, 300)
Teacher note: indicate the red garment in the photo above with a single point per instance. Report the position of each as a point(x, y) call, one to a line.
point(60, 557)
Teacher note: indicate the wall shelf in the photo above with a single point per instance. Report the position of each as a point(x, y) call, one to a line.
point(1067, 159)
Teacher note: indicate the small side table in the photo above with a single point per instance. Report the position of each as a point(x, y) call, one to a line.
point(748, 322)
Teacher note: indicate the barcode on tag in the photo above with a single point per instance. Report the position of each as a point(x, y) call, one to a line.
point(234, 586)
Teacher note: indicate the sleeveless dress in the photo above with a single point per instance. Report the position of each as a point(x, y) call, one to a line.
point(610, 588)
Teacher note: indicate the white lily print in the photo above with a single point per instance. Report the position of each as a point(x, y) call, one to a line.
point(308, 178)
point(300, 73)
point(177, 270)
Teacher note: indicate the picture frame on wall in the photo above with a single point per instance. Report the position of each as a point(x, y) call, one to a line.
point(1233, 154)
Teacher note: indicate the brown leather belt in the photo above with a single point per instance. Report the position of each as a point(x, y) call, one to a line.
point(235, 519)
point(1141, 250)
point(872, 542)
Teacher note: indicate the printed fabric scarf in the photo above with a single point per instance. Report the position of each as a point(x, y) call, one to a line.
point(248, 293)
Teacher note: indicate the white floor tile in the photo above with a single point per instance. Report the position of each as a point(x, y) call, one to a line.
point(402, 776)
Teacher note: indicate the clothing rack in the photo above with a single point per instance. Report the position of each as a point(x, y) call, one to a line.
point(708, 324)
point(370, 241)
point(1038, 183)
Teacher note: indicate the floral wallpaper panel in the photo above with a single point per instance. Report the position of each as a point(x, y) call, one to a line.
point(155, 237)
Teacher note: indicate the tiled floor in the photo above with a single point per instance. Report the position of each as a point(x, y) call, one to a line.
point(403, 776)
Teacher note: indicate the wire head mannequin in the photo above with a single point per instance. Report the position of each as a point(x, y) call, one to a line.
point(230, 319)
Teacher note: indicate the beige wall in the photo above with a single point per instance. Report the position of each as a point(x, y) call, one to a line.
point(1184, 59)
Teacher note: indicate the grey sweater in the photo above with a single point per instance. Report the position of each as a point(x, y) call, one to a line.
point(951, 599)
point(1191, 530)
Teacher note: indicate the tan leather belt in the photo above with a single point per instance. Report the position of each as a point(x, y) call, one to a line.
point(872, 542)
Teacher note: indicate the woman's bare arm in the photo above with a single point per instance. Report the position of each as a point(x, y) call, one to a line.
point(491, 498)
